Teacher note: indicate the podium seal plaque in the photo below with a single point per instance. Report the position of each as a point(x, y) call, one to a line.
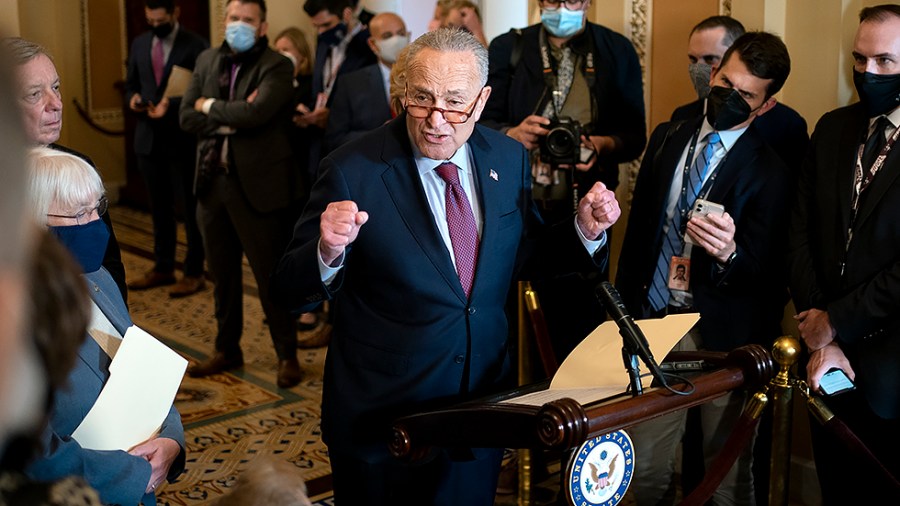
point(600, 472)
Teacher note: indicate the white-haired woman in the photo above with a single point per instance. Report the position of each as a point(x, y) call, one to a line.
point(67, 195)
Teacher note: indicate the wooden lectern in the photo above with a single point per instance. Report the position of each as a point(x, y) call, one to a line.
point(560, 424)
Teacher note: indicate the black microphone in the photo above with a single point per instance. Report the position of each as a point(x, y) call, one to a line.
point(633, 337)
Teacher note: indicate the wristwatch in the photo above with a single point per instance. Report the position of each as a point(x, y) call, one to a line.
point(730, 259)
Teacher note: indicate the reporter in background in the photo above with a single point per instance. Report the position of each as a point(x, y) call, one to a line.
point(845, 262)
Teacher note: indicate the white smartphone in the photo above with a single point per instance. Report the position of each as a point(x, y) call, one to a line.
point(703, 208)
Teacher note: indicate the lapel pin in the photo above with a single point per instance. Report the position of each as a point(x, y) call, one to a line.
point(494, 175)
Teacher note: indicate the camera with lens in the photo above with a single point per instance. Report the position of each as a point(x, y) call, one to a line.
point(562, 144)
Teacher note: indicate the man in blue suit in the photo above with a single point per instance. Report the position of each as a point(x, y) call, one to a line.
point(165, 153)
point(419, 270)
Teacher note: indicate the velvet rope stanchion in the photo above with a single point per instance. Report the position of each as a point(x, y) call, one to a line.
point(842, 433)
point(739, 438)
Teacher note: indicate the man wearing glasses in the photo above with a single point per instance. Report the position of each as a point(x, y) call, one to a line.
point(566, 68)
point(415, 231)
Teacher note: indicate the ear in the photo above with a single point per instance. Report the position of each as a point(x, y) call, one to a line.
point(263, 28)
point(483, 98)
point(766, 106)
point(176, 12)
point(374, 47)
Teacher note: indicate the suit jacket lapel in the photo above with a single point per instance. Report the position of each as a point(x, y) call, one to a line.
point(405, 187)
point(851, 137)
point(672, 149)
point(880, 184)
point(741, 157)
point(485, 162)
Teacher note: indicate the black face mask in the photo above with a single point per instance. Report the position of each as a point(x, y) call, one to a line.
point(333, 36)
point(880, 94)
point(725, 108)
point(163, 30)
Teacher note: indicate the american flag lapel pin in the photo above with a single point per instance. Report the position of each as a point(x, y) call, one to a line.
point(494, 175)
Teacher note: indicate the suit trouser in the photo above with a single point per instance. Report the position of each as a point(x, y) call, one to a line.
point(843, 477)
point(169, 179)
point(656, 444)
point(442, 481)
point(231, 227)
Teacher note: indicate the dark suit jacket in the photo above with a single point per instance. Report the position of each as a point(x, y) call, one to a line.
point(744, 304)
point(118, 477)
point(164, 132)
point(260, 150)
point(618, 92)
point(404, 332)
point(359, 104)
point(782, 127)
point(864, 303)
point(358, 55)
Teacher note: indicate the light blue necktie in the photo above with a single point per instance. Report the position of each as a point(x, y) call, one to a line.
point(673, 242)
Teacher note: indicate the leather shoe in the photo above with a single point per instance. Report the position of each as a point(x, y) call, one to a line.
point(289, 373)
point(152, 279)
point(214, 365)
point(319, 339)
point(188, 285)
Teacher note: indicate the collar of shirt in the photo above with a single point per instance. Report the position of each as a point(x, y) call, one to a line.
point(893, 117)
point(386, 79)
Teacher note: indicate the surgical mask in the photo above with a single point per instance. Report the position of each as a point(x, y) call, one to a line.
point(87, 243)
point(333, 36)
point(290, 57)
point(725, 108)
point(240, 36)
point(388, 49)
point(879, 93)
point(162, 30)
point(700, 73)
point(562, 22)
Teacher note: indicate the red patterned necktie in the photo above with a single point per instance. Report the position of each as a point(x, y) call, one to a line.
point(158, 60)
point(461, 223)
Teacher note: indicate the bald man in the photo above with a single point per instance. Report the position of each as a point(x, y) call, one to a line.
point(361, 98)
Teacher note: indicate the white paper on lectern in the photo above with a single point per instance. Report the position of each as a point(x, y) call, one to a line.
point(144, 378)
point(597, 360)
point(595, 370)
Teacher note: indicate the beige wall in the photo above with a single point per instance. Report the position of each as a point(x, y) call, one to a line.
point(818, 33)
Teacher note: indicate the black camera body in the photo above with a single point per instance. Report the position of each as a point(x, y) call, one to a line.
point(562, 144)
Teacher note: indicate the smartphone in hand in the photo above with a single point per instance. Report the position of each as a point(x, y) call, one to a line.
point(703, 208)
point(834, 382)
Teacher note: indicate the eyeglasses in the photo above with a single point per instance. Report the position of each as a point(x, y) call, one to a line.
point(552, 5)
point(84, 216)
point(450, 116)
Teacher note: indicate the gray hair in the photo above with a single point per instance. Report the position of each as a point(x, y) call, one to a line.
point(22, 51)
point(451, 40)
point(62, 178)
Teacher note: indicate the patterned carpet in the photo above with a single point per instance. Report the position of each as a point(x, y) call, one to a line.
point(229, 419)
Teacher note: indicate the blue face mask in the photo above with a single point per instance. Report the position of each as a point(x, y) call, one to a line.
point(240, 36)
point(562, 22)
point(87, 243)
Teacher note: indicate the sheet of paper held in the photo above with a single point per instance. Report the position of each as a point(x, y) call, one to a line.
point(595, 370)
point(144, 378)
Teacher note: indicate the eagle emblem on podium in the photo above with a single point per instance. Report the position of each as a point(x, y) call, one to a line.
point(601, 470)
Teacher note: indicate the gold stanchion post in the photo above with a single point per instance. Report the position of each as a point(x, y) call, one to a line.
point(524, 454)
point(785, 353)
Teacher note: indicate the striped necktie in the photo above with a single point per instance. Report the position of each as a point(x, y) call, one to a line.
point(673, 242)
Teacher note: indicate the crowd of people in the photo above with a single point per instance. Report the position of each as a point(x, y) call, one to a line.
point(391, 191)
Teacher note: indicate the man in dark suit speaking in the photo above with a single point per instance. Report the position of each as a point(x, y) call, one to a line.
point(845, 263)
point(416, 231)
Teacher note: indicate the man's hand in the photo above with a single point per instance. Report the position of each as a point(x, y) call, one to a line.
point(339, 226)
point(317, 117)
point(160, 453)
point(198, 104)
point(137, 104)
point(253, 96)
point(529, 130)
point(597, 211)
point(159, 110)
point(823, 359)
point(815, 329)
point(715, 234)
